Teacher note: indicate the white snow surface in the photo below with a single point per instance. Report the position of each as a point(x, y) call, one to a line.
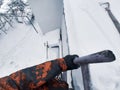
point(22, 47)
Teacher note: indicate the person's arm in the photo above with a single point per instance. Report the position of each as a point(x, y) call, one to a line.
point(36, 76)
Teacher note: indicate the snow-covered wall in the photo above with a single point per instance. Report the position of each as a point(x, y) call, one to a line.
point(91, 30)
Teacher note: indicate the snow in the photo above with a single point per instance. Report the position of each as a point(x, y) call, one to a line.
point(5, 5)
point(20, 48)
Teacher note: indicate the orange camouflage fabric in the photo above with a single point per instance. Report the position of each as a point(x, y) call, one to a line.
point(39, 77)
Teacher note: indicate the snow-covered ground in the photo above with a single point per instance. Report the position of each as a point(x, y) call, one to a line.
point(20, 48)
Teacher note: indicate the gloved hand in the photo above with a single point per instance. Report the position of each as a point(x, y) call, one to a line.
point(69, 62)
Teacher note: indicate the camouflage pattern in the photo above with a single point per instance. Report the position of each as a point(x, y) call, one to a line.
point(39, 77)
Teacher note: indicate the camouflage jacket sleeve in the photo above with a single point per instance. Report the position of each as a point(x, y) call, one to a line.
point(33, 77)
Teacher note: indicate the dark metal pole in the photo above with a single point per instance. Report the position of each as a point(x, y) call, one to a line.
point(32, 24)
point(113, 18)
point(86, 77)
point(103, 56)
point(99, 57)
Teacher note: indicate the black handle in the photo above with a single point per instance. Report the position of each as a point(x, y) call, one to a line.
point(99, 57)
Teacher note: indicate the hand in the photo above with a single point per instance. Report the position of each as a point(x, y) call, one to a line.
point(69, 61)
